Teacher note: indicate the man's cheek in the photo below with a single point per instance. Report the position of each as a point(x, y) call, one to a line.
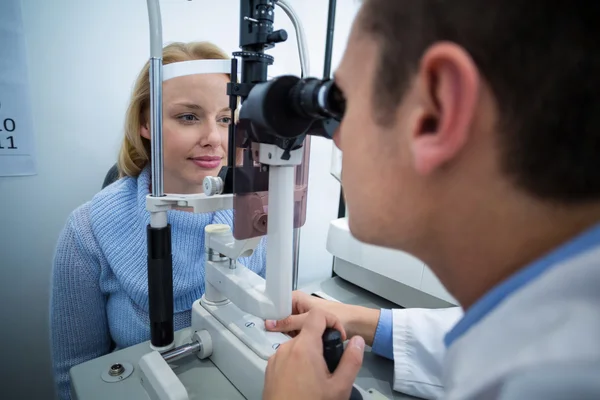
point(351, 166)
point(337, 139)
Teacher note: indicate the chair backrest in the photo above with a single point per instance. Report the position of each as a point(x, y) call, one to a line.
point(111, 176)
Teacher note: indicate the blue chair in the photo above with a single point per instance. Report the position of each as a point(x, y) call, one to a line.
point(111, 176)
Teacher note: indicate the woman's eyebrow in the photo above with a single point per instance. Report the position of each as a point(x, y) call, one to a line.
point(191, 106)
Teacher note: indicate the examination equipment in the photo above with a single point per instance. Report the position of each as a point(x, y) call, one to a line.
point(227, 344)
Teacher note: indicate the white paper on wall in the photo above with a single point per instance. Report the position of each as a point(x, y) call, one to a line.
point(17, 139)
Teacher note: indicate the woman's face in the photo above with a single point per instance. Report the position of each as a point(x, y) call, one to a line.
point(196, 118)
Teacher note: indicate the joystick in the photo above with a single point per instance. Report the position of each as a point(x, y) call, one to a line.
point(333, 348)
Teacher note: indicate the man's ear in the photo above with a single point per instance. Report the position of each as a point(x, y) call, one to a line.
point(145, 131)
point(447, 91)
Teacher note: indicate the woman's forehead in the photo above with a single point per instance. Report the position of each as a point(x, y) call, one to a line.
point(200, 88)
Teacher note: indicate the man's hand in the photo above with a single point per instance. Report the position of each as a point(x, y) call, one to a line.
point(302, 303)
point(356, 320)
point(298, 369)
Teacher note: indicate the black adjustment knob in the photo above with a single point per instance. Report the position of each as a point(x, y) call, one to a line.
point(333, 349)
point(277, 36)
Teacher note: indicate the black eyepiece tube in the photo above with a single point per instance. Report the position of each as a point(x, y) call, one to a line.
point(329, 40)
point(233, 107)
point(160, 286)
point(256, 36)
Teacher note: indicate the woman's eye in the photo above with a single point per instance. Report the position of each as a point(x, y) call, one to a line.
point(225, 120)
point(187, 118)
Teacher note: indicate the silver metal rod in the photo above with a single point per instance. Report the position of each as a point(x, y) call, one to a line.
point(156, 77)
point(296, 263)
point(300, 36)
point(156, 126)
point(182, 351)
point(305, 71)
point(155, 24)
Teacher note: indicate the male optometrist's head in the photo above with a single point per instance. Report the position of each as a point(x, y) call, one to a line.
point(472, 132)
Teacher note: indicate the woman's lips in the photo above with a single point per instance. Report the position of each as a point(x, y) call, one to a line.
point(207, 162)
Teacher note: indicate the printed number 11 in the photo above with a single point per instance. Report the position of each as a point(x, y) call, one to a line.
point(12, 143)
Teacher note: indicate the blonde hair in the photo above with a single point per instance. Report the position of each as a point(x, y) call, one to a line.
point(134, 154)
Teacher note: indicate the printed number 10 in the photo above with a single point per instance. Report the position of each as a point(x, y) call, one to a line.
point(9, 126)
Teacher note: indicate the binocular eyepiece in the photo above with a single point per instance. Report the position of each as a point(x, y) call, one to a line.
point(289, 107)
point(317, 99)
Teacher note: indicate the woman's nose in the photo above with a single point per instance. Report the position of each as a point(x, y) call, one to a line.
point(210, 135)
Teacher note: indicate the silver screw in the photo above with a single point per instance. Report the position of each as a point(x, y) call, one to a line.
point(249, 324)
point(275, 346)
point(116, 370)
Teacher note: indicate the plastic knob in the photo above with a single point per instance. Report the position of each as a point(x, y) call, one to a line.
point(277, 36)
point(212, 185)
point(333, 349)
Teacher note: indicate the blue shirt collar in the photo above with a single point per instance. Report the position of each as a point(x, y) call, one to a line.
point(493, 298)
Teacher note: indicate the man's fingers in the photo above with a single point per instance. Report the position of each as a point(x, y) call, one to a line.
point(297, 300)
point(291, 323)
point(301, 302)
point(270, 372)
point(295, 321)
point(345, 373)
point(317, 320)
point(270, 364)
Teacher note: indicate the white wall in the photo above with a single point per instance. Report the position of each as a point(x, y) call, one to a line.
point(83, 57)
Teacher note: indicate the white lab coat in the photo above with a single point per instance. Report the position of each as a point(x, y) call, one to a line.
point(419, 349)
point(553, 320)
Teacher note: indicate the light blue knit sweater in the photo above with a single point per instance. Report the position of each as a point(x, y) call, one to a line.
point(99, 295)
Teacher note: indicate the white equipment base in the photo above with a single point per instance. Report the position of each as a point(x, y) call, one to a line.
point(241, 346)
point(203, 380)
point(234, 335)
point(159, 380)
point(246, 327)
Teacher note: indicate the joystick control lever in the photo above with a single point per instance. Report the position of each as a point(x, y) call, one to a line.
point(333, 348)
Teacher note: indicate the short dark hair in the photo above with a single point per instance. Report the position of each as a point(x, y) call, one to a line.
point(541, 61)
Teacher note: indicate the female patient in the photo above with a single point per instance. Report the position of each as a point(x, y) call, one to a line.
point(99, 296)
